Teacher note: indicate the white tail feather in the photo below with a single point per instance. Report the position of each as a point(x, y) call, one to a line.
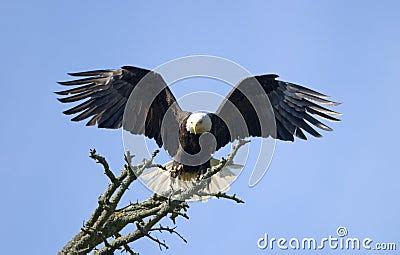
point(160, 180)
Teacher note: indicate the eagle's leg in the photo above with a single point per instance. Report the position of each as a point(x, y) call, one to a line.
point(176, 170)
point(201, 172)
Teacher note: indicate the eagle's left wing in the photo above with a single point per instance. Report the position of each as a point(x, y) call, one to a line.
point(293, 107)
point(105, 95)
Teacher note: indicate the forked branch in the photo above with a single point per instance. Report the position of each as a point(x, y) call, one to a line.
point(101, 234)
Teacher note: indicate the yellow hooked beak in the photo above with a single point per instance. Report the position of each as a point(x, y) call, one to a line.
point(195, 128)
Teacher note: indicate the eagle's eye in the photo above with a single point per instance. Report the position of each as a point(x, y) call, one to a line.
point(200, 121)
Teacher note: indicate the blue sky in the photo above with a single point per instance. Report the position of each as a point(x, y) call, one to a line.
point(348, 49)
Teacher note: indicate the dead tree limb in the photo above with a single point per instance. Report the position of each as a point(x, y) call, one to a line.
point(101, 234)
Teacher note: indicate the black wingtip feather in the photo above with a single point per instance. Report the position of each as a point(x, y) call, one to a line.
point(136, 69)
point(60, 93)
point(304, 90)
point(62, 82)
point(61, 100)
point(91, 73)
point(93, 121)
point(299, 133)
point(321, 100)
point(75, 82)
point(84, 81)
point(316, 122)
point(271, 76)
point(76, 97)
point(322, 115)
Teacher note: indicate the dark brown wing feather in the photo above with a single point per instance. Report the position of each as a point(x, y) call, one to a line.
point(105, 95)
point(292, 107)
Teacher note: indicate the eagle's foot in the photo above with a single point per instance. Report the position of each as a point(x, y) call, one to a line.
point(176, 171)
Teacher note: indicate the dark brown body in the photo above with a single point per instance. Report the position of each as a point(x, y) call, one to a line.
point(197, 157)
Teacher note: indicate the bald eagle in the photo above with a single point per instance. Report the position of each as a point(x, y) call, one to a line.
point(105, 93)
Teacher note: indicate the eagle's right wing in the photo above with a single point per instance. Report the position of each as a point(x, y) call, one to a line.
point(106, 93)
point(288, 108)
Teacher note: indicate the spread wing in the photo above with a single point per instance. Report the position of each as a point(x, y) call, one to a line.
point(293, 107)
point(104, 94)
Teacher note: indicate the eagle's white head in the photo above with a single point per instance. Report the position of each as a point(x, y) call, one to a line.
point(198, 123)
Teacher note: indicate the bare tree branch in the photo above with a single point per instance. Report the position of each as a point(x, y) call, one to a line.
point(101, 234)
point(101, 160)
point(224, 195)
point(170, 230)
